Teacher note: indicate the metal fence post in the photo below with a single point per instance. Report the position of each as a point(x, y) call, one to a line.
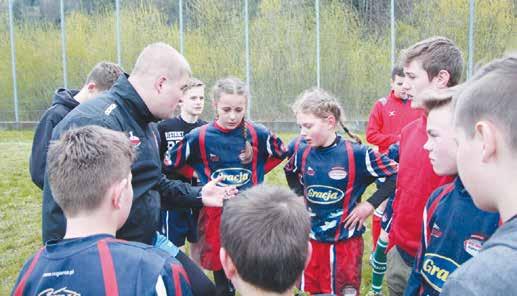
point(318, 73)
point(472, 17)
point(117, 32)
point(63, 43)
point(13, 64)
point(247, 54)
point(180, 11)
point(393, 37)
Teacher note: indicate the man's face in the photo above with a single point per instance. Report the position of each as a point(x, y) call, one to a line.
point(168, 93)
point(193, 101)
point(441, 143)
point(396, 86)
point(471, 168)
point(315, 130)
point(416, 81)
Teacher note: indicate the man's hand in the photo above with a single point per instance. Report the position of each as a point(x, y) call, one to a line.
point(213, 195)
point(356, 218)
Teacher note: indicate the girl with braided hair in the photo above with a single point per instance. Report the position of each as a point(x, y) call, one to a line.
point(332, 173)
point(240, 151)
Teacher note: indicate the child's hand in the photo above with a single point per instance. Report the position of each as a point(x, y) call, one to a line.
point(357, 217)
point(213, 195)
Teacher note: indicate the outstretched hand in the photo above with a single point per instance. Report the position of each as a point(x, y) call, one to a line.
point(357, 217)
point(213, 195)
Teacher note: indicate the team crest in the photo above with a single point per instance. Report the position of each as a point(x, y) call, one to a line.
point(310, 171)
point(473, 244)
point(337, 173)
point(436, 232)
point(134, 139)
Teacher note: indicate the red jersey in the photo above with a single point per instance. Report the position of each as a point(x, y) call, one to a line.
point(387, 118)
point(416, 181)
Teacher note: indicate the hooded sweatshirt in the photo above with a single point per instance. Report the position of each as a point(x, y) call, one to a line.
point(62, 103)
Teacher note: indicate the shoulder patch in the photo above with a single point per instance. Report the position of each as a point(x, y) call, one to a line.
point(110, 109)
point(383, 101)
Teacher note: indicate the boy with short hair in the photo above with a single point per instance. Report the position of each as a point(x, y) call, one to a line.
point(89, 171)
point(434, 63)
point(180, 224)
point(485, 123)
point(100, 79)
point(453, 228)
point(265, 240)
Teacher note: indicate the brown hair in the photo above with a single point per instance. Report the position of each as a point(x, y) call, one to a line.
point(235, 86)
point(490, 95)
point(192, 83)
point(436, 54)
point(84, 163)
point(265, 231)
point(437, 98)
point(104, 75)
point(321, 104)
point(397, 71)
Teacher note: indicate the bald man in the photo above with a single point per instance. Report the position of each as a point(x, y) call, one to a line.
point(150, 93)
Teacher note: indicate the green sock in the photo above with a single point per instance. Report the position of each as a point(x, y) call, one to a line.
point(378, 263)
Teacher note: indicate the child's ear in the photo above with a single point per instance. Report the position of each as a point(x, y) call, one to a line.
point(442, 78)
point(116, 193)
point(92, 87)
point(227, 263)
point(332, 120)
point(486, 133)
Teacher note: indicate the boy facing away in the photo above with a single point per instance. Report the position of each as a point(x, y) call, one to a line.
point(265, 240)
point(453, 228)
point(89, 171)
point(485, 122)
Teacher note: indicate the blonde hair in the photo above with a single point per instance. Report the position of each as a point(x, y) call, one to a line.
point(322, 104)
point(192, 83)
point(235, 86)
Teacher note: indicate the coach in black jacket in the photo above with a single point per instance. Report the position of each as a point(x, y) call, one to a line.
point(150, 93)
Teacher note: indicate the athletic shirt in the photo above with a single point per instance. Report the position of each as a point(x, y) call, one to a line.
point(333, 180)
point(172, 132)
point(101, 265)
point(387, 118)
point(213, 151)
point(453, 231)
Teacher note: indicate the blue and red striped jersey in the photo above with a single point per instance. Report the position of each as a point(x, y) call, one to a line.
point(453, 231)
point(213, 151)
point(101, 265)
point(333, 180)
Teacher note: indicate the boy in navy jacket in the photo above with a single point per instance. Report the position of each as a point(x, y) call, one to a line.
point(89, 171)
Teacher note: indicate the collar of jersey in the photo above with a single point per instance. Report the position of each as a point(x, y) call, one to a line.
point(58, 249)
point(227, 130)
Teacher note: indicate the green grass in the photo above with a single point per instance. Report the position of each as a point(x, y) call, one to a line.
point(20, 208)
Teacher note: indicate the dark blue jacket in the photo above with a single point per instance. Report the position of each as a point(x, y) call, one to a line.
point(101, 265)
point(62, 103)
point(122, 109)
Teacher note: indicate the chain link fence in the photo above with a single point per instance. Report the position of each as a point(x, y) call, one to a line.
point(280, 47)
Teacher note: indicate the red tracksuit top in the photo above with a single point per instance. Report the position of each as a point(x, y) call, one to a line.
point(416, 181)
point(387, 118)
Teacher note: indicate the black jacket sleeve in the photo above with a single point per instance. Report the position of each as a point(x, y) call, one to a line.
point(177, 194)
point(385, 190)
point(38, 158)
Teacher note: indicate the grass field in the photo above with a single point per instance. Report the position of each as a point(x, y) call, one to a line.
point(20, 208)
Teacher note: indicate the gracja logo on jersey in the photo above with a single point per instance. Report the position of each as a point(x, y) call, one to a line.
point(321, 194)
point(436, 269)
point(233, 176)
point(134, 139)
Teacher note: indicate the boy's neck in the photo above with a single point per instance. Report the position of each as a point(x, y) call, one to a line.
point(88, 225)
point(189, 118)
point(246, 289)
point(82, 95)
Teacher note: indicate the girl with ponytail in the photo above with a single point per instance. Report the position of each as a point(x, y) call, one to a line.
point(237, 150)
point(332, 173)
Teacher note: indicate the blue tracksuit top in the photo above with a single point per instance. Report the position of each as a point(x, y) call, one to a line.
point(453, 231)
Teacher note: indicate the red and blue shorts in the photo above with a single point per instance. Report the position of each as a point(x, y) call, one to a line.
point(333, 266)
